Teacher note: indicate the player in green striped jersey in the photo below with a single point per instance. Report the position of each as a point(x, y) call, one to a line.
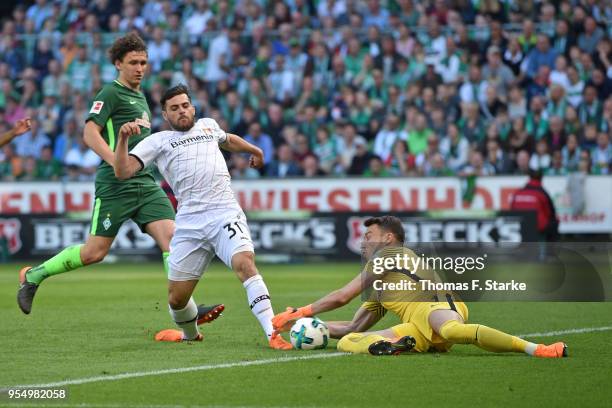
point(139, 198)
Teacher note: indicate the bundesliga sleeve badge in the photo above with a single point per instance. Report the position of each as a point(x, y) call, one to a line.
point(96, 107)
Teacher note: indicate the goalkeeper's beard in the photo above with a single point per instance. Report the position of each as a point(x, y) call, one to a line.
point(180, 127)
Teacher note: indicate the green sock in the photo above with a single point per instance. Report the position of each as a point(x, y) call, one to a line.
point(165, 256)
point(67, 260)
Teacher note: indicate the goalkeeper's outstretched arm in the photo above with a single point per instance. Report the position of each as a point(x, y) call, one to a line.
point(331, 301)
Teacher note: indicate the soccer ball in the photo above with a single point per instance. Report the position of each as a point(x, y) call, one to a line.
point(309, 333)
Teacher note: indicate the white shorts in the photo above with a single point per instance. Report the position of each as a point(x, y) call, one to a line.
point(199, 236)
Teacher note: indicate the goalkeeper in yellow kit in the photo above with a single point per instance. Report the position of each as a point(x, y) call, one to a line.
point(431, 320)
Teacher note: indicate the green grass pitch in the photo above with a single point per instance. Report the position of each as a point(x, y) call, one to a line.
point(100, 321)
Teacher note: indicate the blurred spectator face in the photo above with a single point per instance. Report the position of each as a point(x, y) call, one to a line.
point(388, 45)
point(322, 136)
point(476, 159)
point(474, 74)
point(437, 162)
point(542, 147)
point(514, 46)
point(572, 142)
point(240, 162)
point(543, 44)
point(590, 25)
point(373, 34)
point(9, 151)
point(82, 53)
point(472, 111)
point(556, 124)
point(46, 153)
point(493, 57)
point(232, 99)
point(394, 93)
point(560, 63)
point(275, 113)
point(421, 122)
point(392, 122)
point(284, 153)
point(255, 130)
point(374, 6)
point(522, 161)
point(603, 140)
point(586, 61)
point(557, 159)
point(584, 164)
point(338, 65)
point(35, 126)
point(562, 28)
point(590, 133)
point(437, 117)
point(378, 78)
point(453, 132)
point(361, 147)
point(29, 165)
point(54, 67)
point(491, 94)
point(302, 145)
point(598, 77)
point(515, 95)
point(527, 28)
point(537, 104)
point(590, 95)
point(492, 132)
point(310, 165)
point(572, 74)
point(350, 132)
point(432, 143)
point(376, 166)
point(492, 148)
point(354, 47)
point(556, 92)
point(428, 95)
point(542, 75)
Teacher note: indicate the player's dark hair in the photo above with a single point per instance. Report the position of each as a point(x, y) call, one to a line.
point(172, 92)
point(123, 45)
point(535, 174)
point(390, 224)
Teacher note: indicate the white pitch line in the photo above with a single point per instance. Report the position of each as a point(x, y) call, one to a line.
point(60, 403)
point(124, 376)
point(568, 331)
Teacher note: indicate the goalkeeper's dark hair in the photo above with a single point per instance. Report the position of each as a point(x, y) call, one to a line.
point(123, 45)
point(172, 92)
point(390, 224)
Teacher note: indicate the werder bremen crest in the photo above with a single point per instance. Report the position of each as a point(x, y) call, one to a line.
point(144, 120)
point(107, 222)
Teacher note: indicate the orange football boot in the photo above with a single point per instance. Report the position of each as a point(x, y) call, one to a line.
point(556, 350)
point(174, 335)
point(278, 343)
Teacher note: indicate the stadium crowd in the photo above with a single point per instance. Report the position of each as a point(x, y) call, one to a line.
point(328, 87)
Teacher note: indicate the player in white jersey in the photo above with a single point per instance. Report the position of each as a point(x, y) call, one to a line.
point(209, 220)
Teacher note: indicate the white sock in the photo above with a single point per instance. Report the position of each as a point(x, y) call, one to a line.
point(186, 319)
point(530, 348)
point(259, 301)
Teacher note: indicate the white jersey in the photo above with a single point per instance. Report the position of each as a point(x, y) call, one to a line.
point(193, 165)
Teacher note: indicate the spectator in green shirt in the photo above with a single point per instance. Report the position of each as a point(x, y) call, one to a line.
point(48, 167)
point(417, 137)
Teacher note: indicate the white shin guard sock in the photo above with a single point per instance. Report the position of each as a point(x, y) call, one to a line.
point(186, 319)
point(259, 301)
